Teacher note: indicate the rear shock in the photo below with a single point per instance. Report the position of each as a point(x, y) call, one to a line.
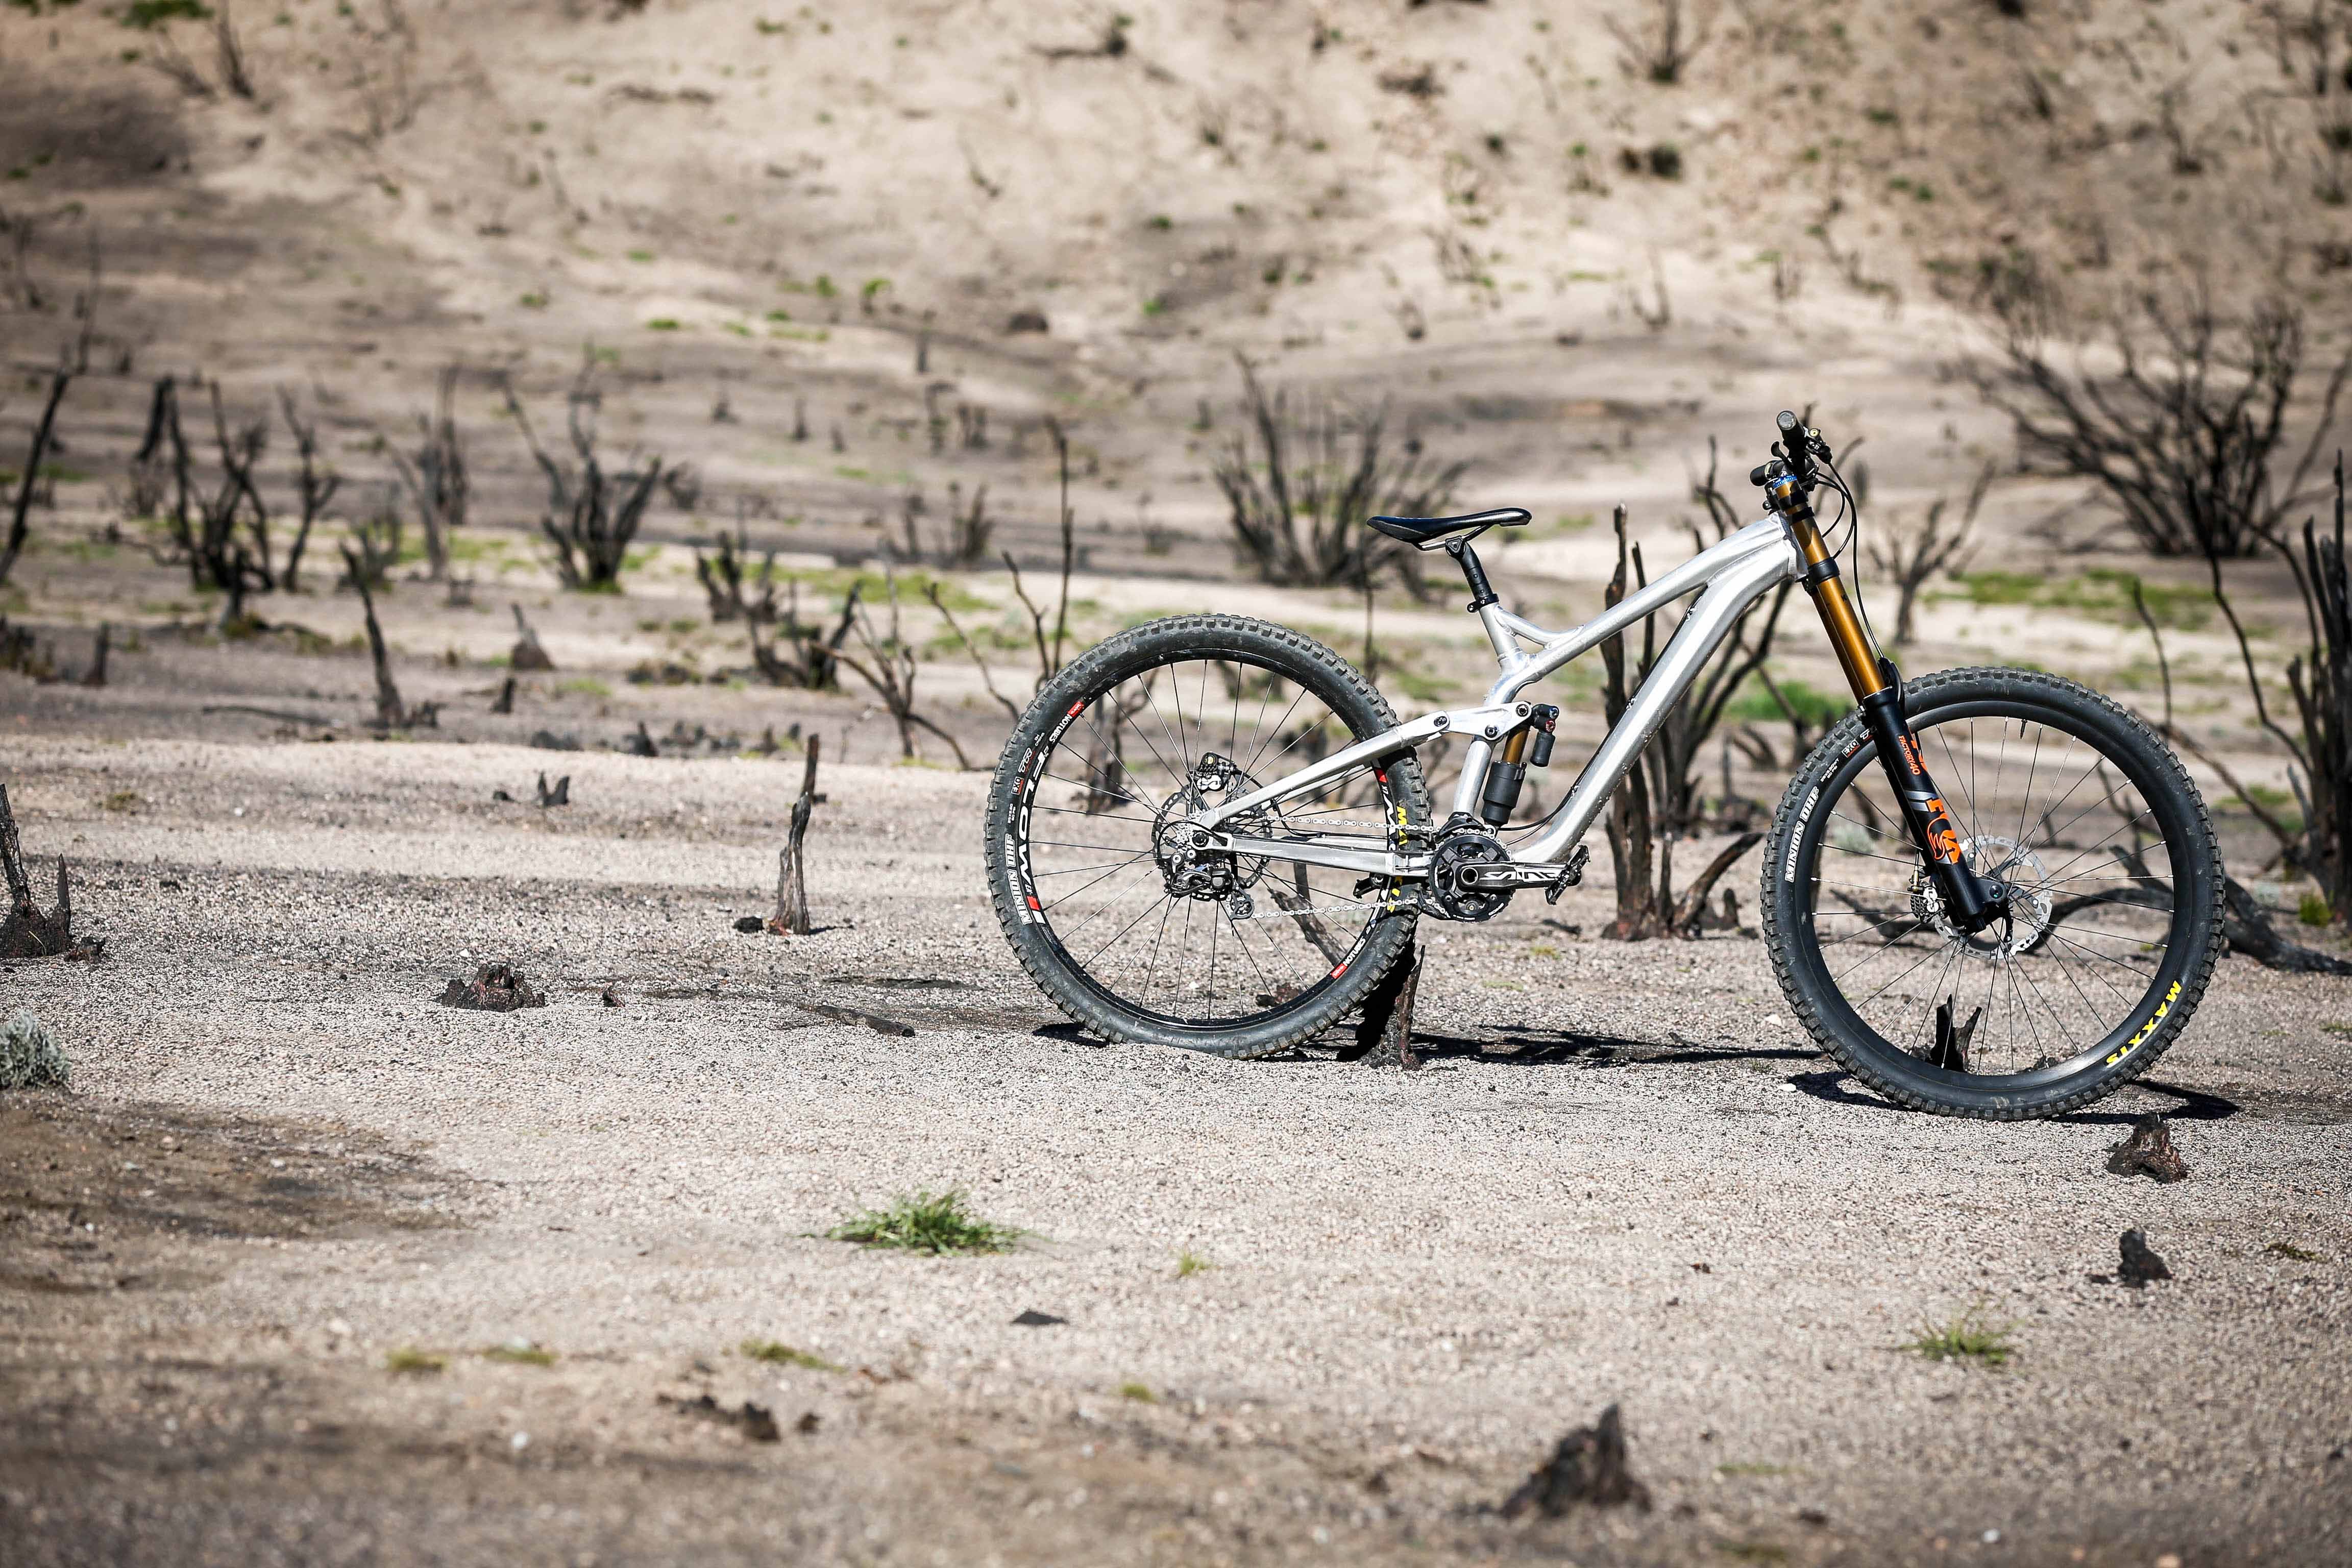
point(1527, 748)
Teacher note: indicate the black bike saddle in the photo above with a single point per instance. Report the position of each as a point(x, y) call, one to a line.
point(1422, 531)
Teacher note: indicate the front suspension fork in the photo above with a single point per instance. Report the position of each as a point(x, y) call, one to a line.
point(1970, 902)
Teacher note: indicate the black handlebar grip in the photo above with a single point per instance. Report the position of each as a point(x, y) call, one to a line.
point(1789, 425)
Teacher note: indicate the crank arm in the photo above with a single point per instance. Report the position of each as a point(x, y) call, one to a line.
point(1379, 863)
point(1502, 875)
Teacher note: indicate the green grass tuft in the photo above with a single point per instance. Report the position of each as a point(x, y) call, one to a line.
point(1754, 704)
point(2289, 1249)
point(1139, 1392)
point(2313, 911)
point(519, 1352)
point(782, 1354)
point(1965, 1338)
point(936, 1223)
point(1189, 1263)
point(2101, 593)
point(30, 1056)
point(414, 1361)
point(149, 15)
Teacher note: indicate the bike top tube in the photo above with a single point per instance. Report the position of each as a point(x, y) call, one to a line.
point(1765, 536)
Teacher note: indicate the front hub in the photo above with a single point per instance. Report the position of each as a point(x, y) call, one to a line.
point(2014, 874)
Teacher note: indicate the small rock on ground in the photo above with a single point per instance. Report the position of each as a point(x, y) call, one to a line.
point(495, 988)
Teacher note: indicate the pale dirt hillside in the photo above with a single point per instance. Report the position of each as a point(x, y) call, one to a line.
point(1425, 204)
point(831, 216)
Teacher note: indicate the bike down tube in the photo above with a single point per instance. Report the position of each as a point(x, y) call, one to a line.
point(1767, 558)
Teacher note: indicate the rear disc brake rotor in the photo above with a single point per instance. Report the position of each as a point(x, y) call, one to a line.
point(1191, 870)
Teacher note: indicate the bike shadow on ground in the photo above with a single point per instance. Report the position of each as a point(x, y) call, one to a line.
point(1518, 1045)
point(1832, 1084)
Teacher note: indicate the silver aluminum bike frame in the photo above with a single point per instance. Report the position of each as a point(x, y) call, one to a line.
point(1728, 577)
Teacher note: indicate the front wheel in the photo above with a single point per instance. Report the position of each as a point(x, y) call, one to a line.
point(2113, 917)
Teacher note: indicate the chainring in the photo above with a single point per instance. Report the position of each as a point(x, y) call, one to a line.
point(1452, 901)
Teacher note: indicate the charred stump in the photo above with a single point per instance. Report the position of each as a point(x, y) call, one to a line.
point(391, 713)
point(2149, 1151)
point(1588, 1466)
point(1384, 1034)
point(28, 481)
point(96, 674)
point(527, 655)
point(792, 915)
point(25, 931)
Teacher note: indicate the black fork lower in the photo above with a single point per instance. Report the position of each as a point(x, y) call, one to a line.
point(1972, 902)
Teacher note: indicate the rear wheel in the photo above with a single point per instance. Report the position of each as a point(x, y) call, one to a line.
point(1133, 934)
point(2114, 902)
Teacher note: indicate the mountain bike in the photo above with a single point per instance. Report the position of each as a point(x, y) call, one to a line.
point(1988, 892)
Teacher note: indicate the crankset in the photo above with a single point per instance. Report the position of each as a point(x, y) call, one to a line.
point(1472, 877)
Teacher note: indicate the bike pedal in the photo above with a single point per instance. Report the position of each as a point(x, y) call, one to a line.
point(1570, 874)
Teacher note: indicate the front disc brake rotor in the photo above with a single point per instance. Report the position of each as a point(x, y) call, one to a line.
point(2026, 920)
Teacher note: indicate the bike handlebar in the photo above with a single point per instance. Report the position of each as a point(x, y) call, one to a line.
point(1798, 449)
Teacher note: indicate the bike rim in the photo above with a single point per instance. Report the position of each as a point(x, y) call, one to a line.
point(2081, 977)
point(1133, 922)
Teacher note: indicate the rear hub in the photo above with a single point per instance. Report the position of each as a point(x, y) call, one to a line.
point(1188, 865)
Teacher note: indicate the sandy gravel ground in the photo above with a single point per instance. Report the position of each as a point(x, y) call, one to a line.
point(1623, 1179)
